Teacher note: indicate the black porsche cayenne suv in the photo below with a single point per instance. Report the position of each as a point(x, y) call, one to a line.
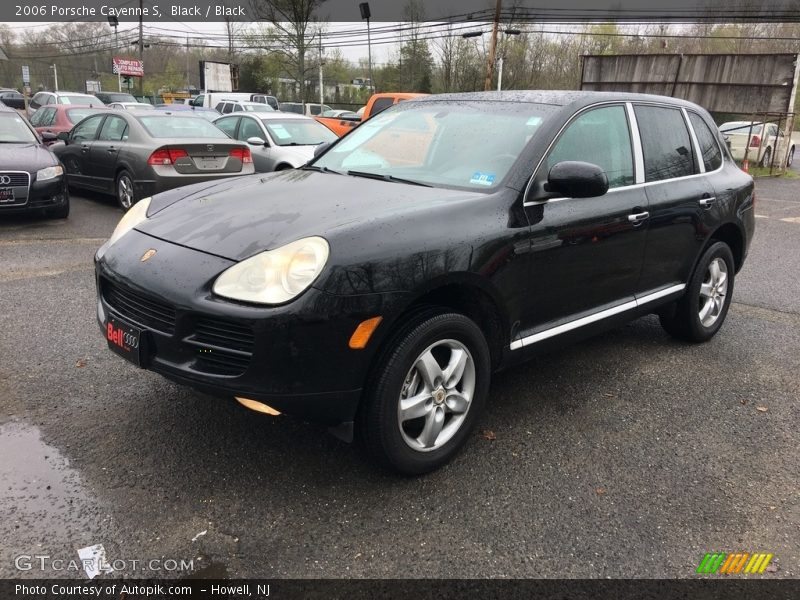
point(379, 287)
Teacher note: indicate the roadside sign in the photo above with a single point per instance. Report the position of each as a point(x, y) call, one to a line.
point(26, 75)
point(127, 66)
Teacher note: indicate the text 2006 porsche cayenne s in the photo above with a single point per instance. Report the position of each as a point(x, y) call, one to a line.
point(378, 288)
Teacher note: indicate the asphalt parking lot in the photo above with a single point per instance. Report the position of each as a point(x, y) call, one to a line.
point(631, 455)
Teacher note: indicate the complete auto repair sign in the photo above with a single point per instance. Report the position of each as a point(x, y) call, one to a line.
point(127, 66)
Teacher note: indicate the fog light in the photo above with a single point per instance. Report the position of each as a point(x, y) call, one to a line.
point(257, 406)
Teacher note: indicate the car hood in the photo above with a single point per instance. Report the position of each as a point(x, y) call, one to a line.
point(297, 155)
point(237, 218)
point(25, 157)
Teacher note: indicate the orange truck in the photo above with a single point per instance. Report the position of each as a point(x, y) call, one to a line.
point(375, 104)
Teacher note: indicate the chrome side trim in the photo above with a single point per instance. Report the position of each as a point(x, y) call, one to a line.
point(593, 318)
point(625, 187)
point(638, 155)
point(701, 164)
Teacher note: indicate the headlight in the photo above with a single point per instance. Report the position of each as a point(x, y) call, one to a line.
point(135, 215)
point(49, 173)
point(275, 276)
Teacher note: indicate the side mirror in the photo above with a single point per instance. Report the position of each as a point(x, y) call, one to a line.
point(321, 148)
point(256, 141)
point(574, 179)
point(63, 136)
point(49, 136)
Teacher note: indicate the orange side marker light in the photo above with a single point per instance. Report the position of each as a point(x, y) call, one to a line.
point(363, 332)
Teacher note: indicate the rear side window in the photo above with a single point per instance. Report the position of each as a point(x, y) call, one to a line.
point(601, 137)
point(227, 125)
point(220, 107)
point(666, 144)
point(709, 148)
point(381, 104)
point(114, 130)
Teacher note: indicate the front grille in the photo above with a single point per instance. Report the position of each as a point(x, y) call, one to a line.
point(139, 308)
point(15, 179)
point(224, 347)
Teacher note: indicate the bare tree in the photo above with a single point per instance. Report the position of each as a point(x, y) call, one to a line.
point(294, 32)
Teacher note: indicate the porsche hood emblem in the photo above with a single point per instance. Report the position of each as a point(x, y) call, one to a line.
point(148, 255)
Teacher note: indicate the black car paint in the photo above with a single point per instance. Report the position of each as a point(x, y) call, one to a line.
point(530, 261)
point(30, 158)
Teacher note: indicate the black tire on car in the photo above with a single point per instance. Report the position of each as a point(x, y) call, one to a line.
point(447, 396)
point(766, 158)
point(790, 158)
point(125, 190)
point(701, 311)
point(59, 212)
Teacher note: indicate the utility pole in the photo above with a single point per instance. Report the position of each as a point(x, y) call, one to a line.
point(187, 62)
point(500, 73)
point(366, 14)
point(321, 94)
point(492, 47)
point(141, 45)
point(55, 76)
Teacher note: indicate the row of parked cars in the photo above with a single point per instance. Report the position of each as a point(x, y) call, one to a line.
point(132, 150)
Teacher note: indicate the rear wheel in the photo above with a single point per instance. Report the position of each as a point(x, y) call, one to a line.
point(425, 393)
point(790, 158)
point(126, 193)
point(704, 306)
point(766, 159)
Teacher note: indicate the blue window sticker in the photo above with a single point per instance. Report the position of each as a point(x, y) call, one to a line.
point(482, 178)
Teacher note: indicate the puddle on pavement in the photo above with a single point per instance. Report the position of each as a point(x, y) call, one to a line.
point(43, 504)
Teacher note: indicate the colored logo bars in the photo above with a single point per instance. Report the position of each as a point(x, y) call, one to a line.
point(739, 562)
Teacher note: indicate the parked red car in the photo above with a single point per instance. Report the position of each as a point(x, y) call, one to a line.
point(52, 119)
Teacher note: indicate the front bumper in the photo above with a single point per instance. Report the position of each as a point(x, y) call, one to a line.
point(294, 357)
point(41, 195)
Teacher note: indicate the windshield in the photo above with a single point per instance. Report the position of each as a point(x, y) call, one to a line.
point(14, 130)
point(180, 127)
point(75, 115)
point(80, 100)
point(298, 132)
point(450, 144)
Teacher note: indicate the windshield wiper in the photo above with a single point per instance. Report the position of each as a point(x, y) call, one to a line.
point(391, 178)
point(320, 169)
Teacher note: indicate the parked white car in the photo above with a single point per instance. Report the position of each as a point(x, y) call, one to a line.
point(309, 108)
point(229, 106)
point(133, 106)
point(763, 145)
point(277, 140)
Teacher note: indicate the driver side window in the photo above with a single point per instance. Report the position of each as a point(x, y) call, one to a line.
point(599, 136)
point(87, 130)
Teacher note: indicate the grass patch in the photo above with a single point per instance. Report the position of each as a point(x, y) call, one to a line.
point(764, 172)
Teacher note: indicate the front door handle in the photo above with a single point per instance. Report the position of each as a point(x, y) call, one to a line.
point(707, 202)
point(111, 150)
point(638, 218)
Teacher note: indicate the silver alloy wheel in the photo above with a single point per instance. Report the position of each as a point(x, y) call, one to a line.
point(434, 400)
point(125, 192)
point(713, 291)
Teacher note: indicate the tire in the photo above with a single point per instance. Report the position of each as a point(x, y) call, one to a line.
point(790, 158)
point(706, 286)
point(125, 190)
point(447, 411)
point(60, 212)
point(766, 158)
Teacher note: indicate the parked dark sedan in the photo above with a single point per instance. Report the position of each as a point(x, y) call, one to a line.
point(31, 177)
point(132, 155)
point(378, 288)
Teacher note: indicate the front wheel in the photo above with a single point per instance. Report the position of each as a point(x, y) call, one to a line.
point(704, 306)
point(425, 393)
point(790, 158)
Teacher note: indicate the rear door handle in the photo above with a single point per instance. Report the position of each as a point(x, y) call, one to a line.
point(637, 218)
point(707, 202)
point(111, 150)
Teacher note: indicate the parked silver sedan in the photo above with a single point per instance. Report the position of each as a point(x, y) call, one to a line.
point(278, 140)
